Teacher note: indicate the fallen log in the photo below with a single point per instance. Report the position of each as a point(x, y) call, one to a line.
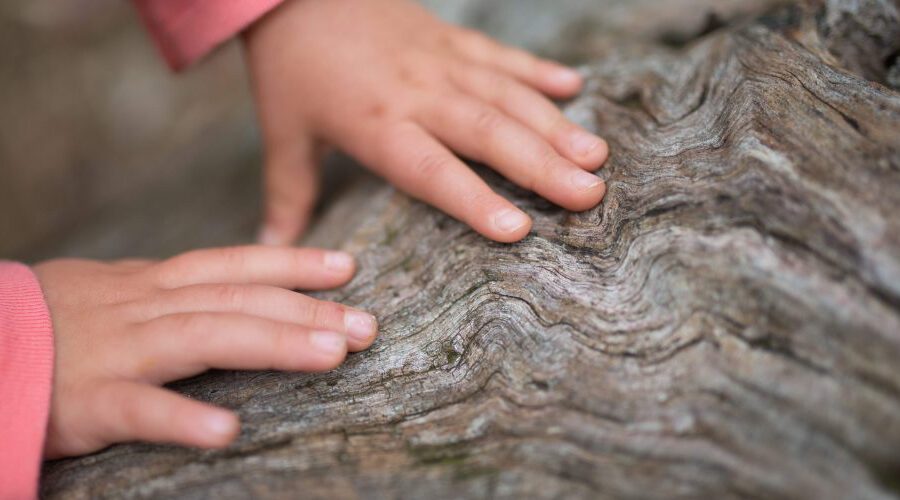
point(726, 324)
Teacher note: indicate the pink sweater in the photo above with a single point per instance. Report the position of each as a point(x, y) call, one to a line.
point(184, 31)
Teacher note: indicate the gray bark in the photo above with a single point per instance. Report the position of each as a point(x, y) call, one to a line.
point(726, 324)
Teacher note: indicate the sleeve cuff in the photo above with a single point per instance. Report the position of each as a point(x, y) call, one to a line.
point(186, 30)
point(26, 372)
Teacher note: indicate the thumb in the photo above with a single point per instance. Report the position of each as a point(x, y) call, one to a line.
point(291, 185)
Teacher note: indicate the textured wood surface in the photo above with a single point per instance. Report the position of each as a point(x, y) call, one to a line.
point(725, 325)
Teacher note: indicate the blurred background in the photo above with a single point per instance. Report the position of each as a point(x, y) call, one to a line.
point(105, 153)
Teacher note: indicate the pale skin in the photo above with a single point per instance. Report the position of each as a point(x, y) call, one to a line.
point(122, 329)
point(400, 90)
point(387, 83)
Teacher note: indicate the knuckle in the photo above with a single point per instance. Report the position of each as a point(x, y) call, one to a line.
point(466, 39)
point(180, 325)
point(483, 201)
point(548, 166)
point(131, 414)
point(327, 314)
point(386, 139)
point(430, 165)
point(166, 273)
point(482, 44)
point(127, 414)
point(418, 75)
point(111, 395)
point(393, 139)
point(233, 258)
point(231, 296)
point(559, 126)
point(487, 120)
point(549, 163)
point(282, 347)
point(498, 87)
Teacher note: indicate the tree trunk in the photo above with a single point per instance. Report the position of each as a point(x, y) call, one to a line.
point(726, 324)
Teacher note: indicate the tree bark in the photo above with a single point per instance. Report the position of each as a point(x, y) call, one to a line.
point(726, 324)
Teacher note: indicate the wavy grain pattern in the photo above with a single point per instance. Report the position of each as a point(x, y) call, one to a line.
point(725, 325)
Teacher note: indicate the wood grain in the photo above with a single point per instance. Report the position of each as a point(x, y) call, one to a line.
point(725, 325)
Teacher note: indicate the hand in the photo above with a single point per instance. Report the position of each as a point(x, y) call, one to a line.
point(123, 329)
point(395, 87)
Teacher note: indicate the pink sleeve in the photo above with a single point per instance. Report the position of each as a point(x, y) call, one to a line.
point(26, 370)
point(186, 30)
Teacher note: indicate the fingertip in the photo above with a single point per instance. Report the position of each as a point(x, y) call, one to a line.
point(341, 264)
point(585, 149)
point(601, 154)
point(588, 190)
point(218, 428)
point(509, 225)
point(330, 349)
point(362, 328)
point(339, 261)
point(561, 81)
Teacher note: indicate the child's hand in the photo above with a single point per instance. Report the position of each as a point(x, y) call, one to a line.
point(122, 329)
point(395, 87)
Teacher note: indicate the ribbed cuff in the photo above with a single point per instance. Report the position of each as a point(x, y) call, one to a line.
point(186, 30)
point(26, 372)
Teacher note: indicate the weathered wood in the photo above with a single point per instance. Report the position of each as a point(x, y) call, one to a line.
point(725, 325)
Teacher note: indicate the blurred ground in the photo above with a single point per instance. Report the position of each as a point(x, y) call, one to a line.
point(100, 142)
point(104, 153)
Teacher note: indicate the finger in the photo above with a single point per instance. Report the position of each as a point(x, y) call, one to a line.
point(548, 77)
point(130, 411)
point(180, 345)
point(132, 264)
point(303, 268)
point(482, 132)
point(267, 302)
point(291, 177)
point(415, 162)
point(535, 111)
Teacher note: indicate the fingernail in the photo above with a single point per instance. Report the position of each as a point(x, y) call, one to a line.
point(361, 326)
point(268, 236)
point(328, 342)
point(510, 220)
point(219, 423)
point(584, 181)
point(338, 261)
point(566, 76)
point(584, 143)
